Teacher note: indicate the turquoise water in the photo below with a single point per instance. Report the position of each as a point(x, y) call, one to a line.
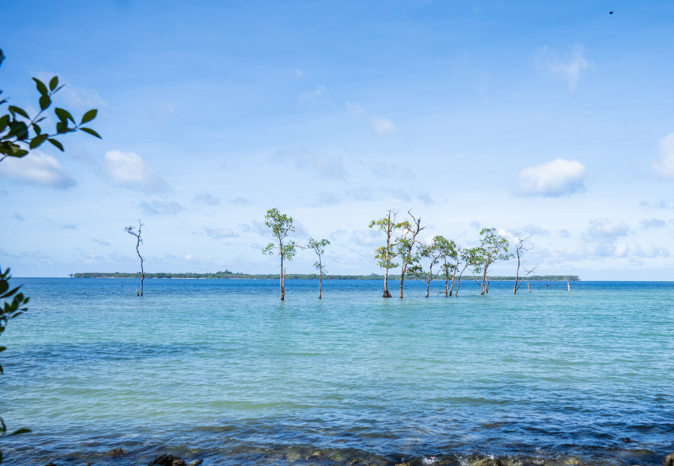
point(222, 371)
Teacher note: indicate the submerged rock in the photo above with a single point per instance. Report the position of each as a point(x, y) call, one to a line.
point(195, 463)
point(116, 453)
point(489, 462)
point(50, 464)
point(168, 460)
point(669, 460)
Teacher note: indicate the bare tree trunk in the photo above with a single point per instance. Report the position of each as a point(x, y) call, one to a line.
point(529, 286)
point(428, 284)
point(142, 275)
point(386, 292)
point(454, 275)
point(517, 274)
point(320, 284)
point(402, 279)
point(568, 285)
point(484, 279)
point(458, 283)
point(283, 291)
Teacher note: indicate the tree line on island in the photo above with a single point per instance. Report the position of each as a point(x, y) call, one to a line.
point(441, 258)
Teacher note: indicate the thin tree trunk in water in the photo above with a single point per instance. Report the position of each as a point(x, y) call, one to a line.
point(454, 275)
point(386, 292)
point(517, 274)
point(283, 292)
point(529, 286)
point(320, 285)
point(458, 283)
point(142, 276)
point(428, 284)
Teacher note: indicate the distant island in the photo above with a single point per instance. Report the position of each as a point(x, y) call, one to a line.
point(234, 275)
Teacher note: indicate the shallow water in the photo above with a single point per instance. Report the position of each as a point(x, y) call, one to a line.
point(221, 370)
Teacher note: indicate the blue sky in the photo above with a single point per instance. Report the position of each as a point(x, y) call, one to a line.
point(554, 120)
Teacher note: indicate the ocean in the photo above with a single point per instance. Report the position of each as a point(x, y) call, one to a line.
point(223, 371)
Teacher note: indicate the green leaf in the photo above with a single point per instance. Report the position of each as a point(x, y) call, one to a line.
point(37, 129)
point(64, 115)
point(12, 109)
point(92, 132)
point(56, 143)
point(17, 129)
point(37, 141)
point(53, 83)
point(41, 88)
point(61, 127)
point(3, 348)
point(90, 115)
point(4, 121)
point(45, 102)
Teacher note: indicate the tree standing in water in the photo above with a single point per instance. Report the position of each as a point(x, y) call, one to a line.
point(281, 225)
point(319, 249)
point(493, 248)
point(469, 258)
point(520, 249)
point(384, 255)
point(405, 246)
point(449, 253)
point(132, 231)
point(432, 253)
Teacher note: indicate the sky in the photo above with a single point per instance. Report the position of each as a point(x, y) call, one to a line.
point(548, 120)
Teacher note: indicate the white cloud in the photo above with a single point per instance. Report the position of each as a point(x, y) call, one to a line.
point(535, 230)
point(354, 109)
point(326, 198)
point(299, 72)
point(324, 165)
point(37, 168)
point(70, 227)
point(665, 167)
point(240, 200)
point(553, 179)
point(102, 243)
point(129, 170)
point(255, 227)
point(564, 233)
point(652, 223)
point(567, 67)
point(161, 208)
point(382, 125)
point(315, 97)
point(393, 171)
point(650, 253)
point(475, 224)
point(606, 230)
point(219, 233)
point(206, 198)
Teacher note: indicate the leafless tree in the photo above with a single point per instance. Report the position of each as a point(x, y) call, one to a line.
point(520, 249)
point(139, 241)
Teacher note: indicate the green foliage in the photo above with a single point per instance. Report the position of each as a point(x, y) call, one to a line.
point(281, 225)
point(19, 133)
point(384, 255)
point(13, 304)
point(493, 247)
point(319, 248)
point(449, 254)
